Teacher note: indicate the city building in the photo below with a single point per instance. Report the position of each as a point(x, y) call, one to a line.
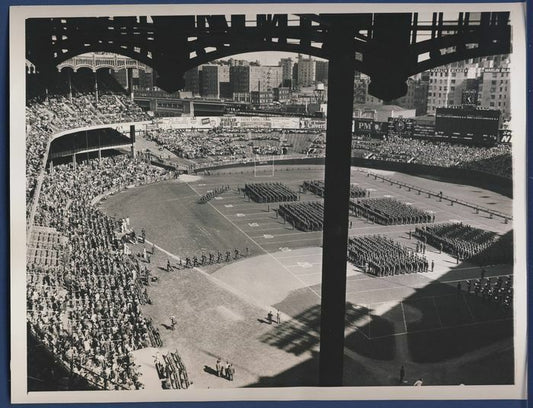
point(416, 96)
point(282, 94)
point(192, 81)
point(321, 71)
point(306, 71)
point(494, 90)
point(259, 98)
point(286, 71)
point(211, 77)
point(246, 79)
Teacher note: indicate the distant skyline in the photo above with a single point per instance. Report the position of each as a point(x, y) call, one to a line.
point(267, 57)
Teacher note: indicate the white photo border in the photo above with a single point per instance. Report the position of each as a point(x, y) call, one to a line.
point(19, 393)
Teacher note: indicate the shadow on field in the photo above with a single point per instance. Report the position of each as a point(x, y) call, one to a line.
point(441, 323)
point(302, 332)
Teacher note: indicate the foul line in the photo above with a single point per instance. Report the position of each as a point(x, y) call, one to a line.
point(259, 246)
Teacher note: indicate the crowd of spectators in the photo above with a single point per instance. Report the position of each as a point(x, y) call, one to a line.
point(493, 160)
point(305, 216)
point(381, 256)
point(62, 111)
point(219, 144)
point(87, 309)
point(389, 211)
point(269, 192)
point(460, 240)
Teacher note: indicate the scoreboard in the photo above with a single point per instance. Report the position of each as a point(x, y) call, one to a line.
point(464, 125)
point(368, 127)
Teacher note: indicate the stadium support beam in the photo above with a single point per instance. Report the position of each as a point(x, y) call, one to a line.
point(336, 202)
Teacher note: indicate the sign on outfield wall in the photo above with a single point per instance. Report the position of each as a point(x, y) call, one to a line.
point(242, 122)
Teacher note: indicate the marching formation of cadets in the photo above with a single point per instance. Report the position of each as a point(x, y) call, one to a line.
point(212, 194)
point(457, 239)
point(172, 372)
point(381, 256)
point(305, 216)
point(317, 187)
point(388, 211)
point(86, 311)
point(210, 258)
point(497, 290)
point(269, 192)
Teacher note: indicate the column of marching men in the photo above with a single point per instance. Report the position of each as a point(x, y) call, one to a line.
point(388, 211)
point(212, 194)
point(305, 216)
point(381, 256)
point(269, 192)
point(460, 240)
point(87, 310)
point(317, 187)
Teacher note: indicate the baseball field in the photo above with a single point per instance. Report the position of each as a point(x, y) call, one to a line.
point(421, 321)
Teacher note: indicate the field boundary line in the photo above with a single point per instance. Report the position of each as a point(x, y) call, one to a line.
point(259, 246)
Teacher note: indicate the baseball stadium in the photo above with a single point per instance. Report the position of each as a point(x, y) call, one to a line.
point(177, 252)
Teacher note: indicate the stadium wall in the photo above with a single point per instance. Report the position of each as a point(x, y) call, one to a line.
point(454, 175)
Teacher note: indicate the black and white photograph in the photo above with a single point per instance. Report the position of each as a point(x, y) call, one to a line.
point(217, 202)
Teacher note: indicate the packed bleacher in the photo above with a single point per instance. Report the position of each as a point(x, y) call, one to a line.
point(381, 256)
point(305, 215)
point(460, 240)
point(493, 160)
point(317, 187)
point(219, 144)
point(171, 371)
point(212, 194)
point(60, 111)
point(388, 211)
point(498, 290)
point(269, 192)
point(86, 309)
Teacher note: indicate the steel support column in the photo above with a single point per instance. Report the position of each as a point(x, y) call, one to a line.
point(336, 203)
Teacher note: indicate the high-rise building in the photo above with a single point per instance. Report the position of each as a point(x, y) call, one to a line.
point(321, 71)
point(416, 96)
point(446, 85)
point(286, 69)
point(306, 71)
point(192, 81)
point(245, 79)
point(494, 90)
point(211, 76)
